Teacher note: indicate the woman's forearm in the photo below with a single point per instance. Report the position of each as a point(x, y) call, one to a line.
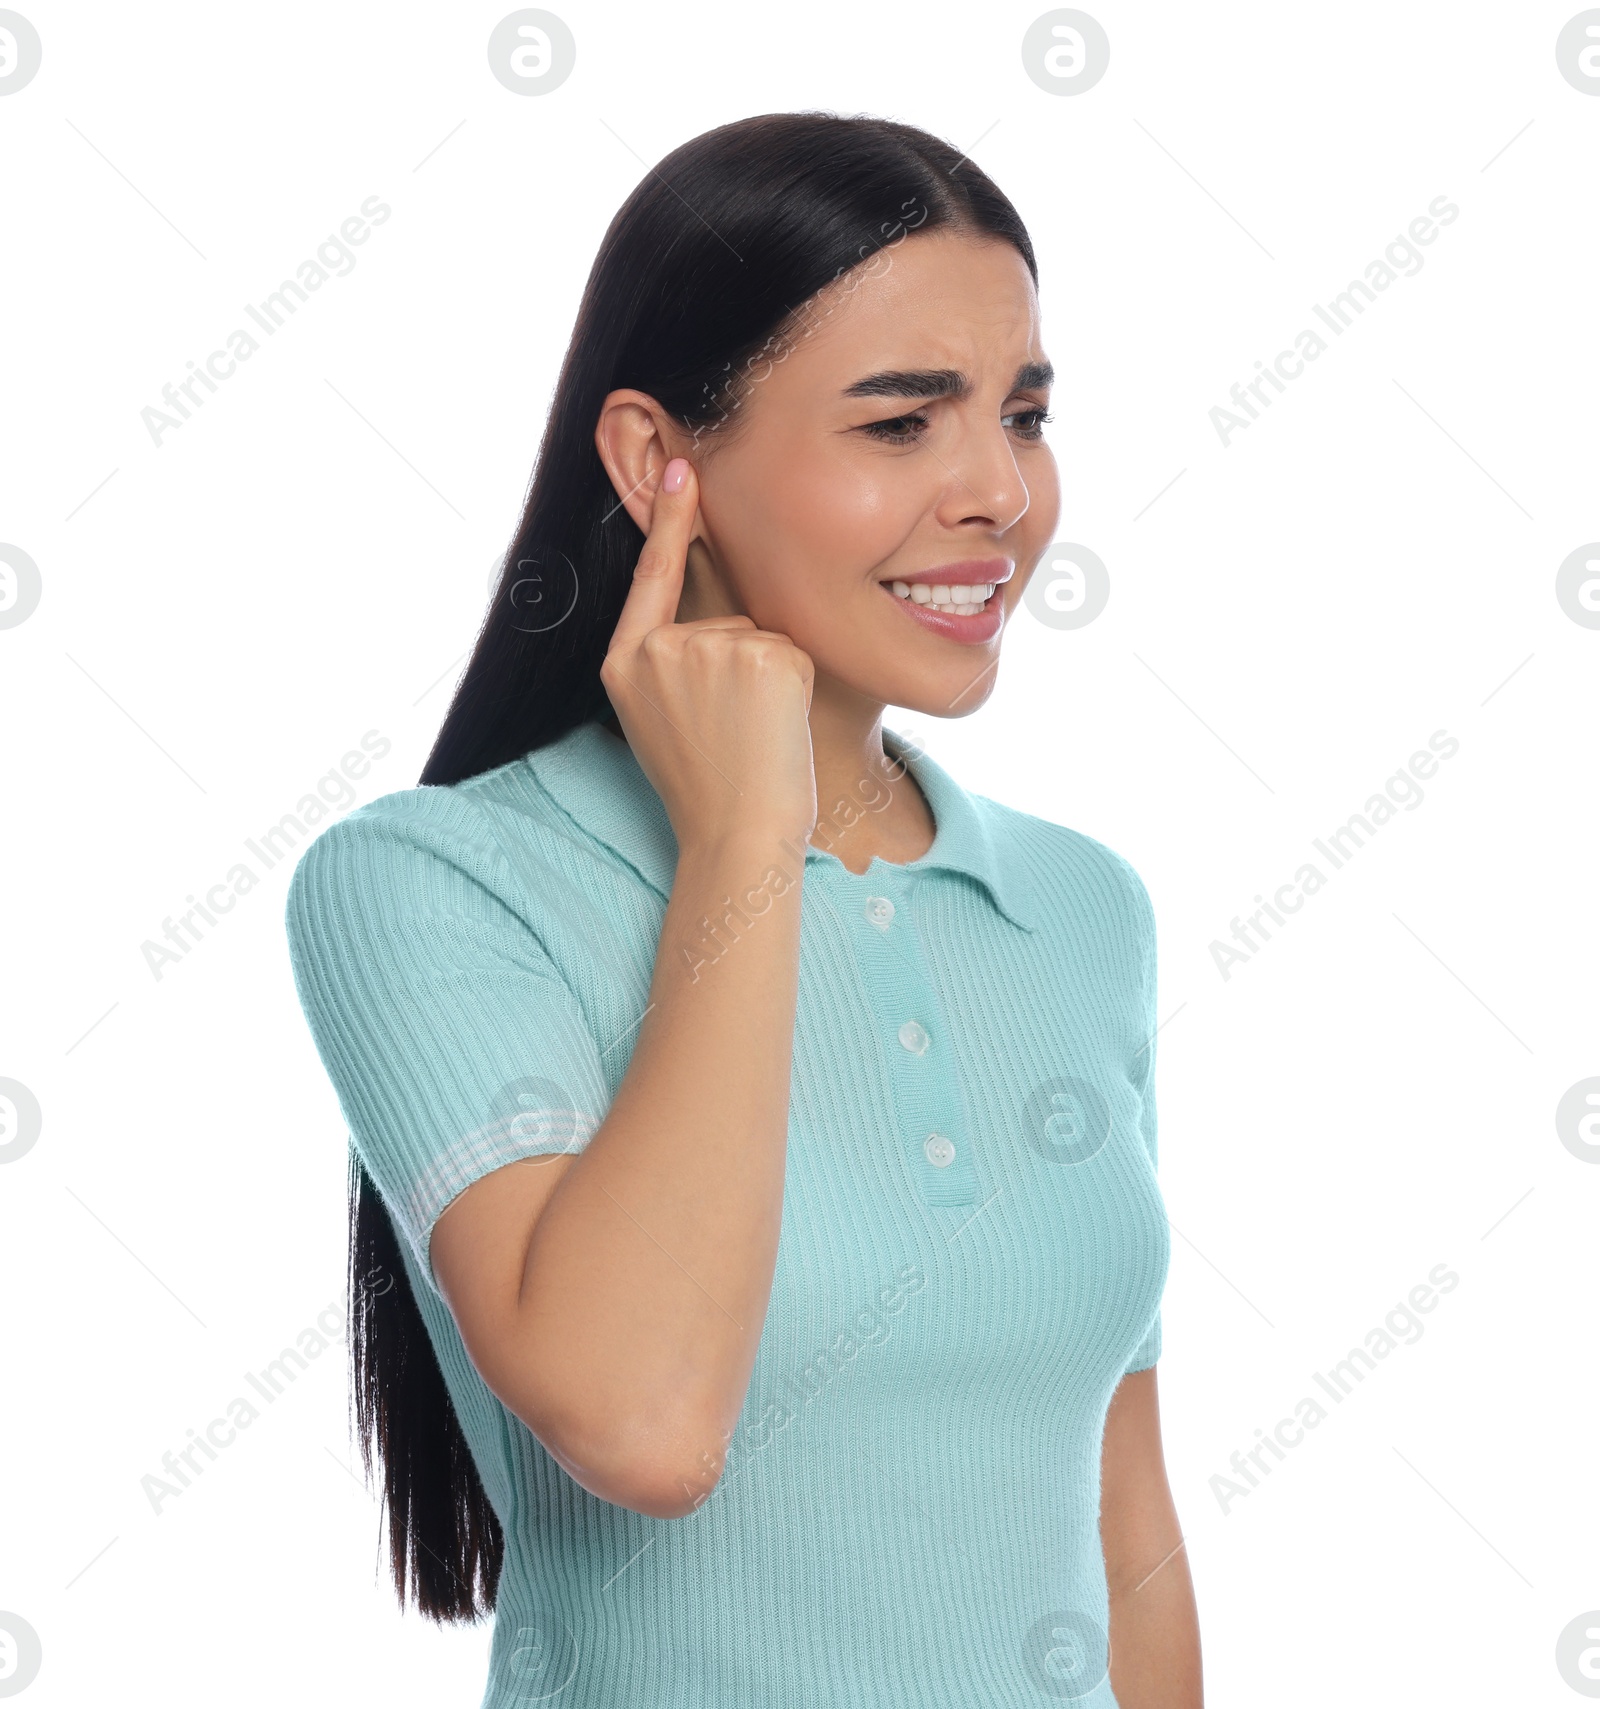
point(647, 1277)
point(1155, 1639)
point(1155, 1630)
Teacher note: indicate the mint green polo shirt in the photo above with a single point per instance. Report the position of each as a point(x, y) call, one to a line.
point(973, 1244)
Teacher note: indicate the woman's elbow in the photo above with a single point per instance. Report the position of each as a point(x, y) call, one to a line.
point(661, 1470)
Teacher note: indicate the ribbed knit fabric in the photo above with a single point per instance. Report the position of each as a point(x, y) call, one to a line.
point(973, 1244)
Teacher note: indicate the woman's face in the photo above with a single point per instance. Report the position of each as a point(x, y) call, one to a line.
point(898, 440)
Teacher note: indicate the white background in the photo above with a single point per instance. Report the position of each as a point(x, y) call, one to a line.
point(1370, 1095)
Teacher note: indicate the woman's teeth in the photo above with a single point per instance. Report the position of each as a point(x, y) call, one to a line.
point(962, 601)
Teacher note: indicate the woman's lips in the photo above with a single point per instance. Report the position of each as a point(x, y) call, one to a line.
point(983, 625)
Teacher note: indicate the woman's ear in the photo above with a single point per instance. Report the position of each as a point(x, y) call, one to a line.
point(636, 441)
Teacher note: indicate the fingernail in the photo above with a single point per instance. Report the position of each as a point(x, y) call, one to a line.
point(677, 472)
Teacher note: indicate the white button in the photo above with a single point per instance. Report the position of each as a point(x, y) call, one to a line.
point(939, 1150)
point(914, 1036)
point(879, 909)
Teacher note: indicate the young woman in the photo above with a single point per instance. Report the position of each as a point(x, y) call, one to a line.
point(756, 1244)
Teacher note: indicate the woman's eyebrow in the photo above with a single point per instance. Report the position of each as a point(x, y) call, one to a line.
point(940, 382)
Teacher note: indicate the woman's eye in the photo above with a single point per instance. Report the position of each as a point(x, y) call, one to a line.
point(889, 429)
point(1035, 420)
point(904, 429)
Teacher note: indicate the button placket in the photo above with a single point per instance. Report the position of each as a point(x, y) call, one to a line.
point(930, 1110)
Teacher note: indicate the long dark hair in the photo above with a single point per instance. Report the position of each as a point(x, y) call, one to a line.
point(706, 274)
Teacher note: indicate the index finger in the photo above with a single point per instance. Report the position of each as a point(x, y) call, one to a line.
point(658, 576)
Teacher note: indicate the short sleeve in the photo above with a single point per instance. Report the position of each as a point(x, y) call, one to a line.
point(453, 1042)
point(1149, 1348)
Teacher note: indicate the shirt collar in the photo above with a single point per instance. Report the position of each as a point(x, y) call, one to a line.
point(595, 779)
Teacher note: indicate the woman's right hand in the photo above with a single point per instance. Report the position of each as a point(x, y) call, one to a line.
point(715, 711)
